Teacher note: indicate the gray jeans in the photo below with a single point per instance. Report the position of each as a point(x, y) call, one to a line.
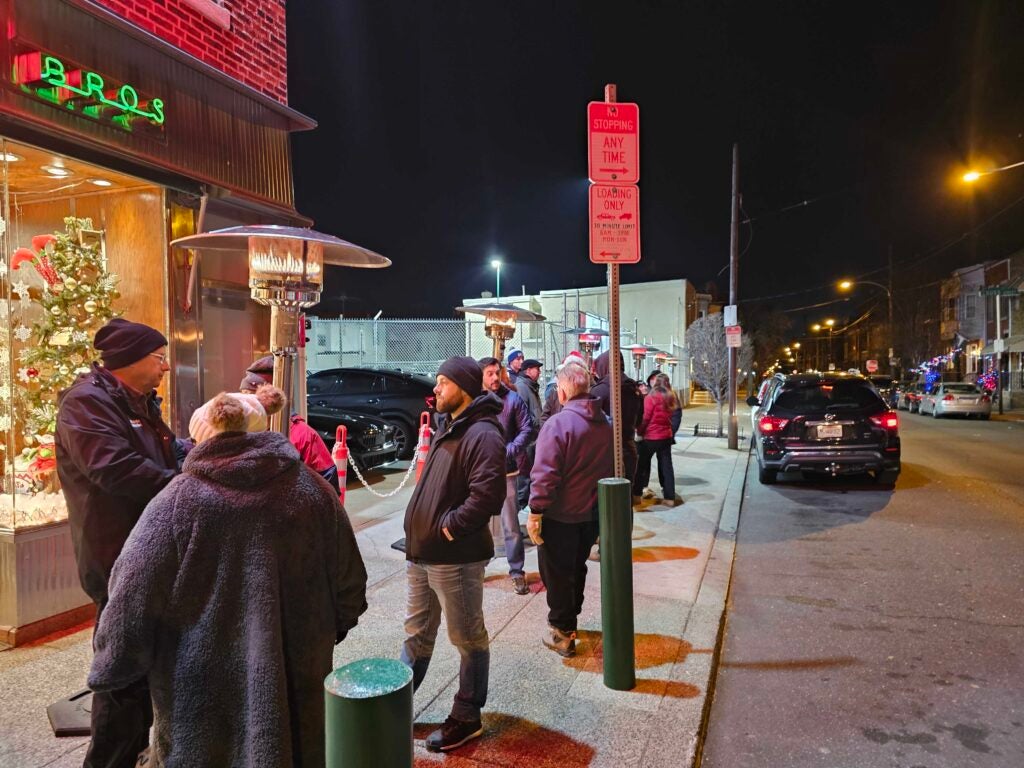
point(514, 551)
point(457, 591)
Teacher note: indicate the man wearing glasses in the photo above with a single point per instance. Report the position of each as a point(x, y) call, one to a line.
point(114, 454)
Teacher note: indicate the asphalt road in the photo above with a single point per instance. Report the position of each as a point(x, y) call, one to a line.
point(872, 627)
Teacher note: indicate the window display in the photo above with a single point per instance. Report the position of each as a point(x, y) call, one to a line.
point(67, 229)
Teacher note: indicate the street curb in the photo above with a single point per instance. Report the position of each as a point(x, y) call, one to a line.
point(706, 627)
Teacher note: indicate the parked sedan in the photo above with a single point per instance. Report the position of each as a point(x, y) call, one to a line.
point(371, 442)
point(395, 397)
point(910, 398)
point(957, 398)
point(831, 423)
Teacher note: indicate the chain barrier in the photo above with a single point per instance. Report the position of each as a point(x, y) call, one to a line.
point(389, 494)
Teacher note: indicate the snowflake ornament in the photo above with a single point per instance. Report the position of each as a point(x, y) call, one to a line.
point(22, 333)
point(23, 376)
point(20, 288)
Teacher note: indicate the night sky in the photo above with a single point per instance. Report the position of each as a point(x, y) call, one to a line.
point(451, 132)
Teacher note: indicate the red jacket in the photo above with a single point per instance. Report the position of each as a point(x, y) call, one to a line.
point(311, 447)
point(657, 421)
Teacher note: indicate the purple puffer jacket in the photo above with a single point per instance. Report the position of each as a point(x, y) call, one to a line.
point(574, 451)
point(517, 427)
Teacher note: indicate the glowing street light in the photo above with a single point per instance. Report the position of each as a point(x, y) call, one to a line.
point(846, 285)
point(496, 265)
point(973, 175)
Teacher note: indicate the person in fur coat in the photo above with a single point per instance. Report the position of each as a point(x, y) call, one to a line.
point(229, 595)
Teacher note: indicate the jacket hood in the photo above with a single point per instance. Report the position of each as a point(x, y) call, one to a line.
point(242, 459)
point(603, 364)
point(588, 406)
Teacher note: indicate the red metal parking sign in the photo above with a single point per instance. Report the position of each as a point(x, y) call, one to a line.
point(614, 224)
point(613, 133)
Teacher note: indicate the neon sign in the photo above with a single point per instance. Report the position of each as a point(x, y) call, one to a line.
point(84, 91)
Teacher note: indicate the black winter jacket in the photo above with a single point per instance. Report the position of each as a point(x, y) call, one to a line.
point(462, 486)
point(632, 400)
point(111, 461)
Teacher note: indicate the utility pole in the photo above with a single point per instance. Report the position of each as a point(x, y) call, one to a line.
point(892, 328)
point(734, 277)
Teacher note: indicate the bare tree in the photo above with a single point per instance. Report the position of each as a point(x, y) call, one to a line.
point(709, 357)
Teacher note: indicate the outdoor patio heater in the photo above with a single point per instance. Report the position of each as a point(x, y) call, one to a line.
point(589, 341)
point(500, 323)
point(286, 266)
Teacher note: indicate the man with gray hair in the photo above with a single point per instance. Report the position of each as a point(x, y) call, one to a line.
point(574, 451)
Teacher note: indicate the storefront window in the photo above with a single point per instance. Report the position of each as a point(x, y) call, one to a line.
point(80, 244)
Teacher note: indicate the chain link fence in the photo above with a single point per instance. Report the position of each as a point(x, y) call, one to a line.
point(421, 345)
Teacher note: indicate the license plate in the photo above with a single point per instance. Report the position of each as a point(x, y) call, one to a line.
point(829, 430)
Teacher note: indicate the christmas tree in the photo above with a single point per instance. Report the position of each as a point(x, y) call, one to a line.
point(76, 301)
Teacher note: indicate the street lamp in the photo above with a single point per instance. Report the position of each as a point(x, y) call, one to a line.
point(973, 175)
point(496, 264)
point(845, 285)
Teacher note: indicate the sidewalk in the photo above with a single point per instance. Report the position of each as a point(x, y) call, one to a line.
point(542, 710)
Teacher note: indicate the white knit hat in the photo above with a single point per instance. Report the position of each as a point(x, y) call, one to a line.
point(235, 412)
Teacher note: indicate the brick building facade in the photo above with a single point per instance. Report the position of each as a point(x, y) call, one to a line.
point(243, 38)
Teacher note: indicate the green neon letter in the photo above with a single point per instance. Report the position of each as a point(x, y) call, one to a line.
point(129, 98)
point(93, 85)
point(53, 71)
point(157, 105)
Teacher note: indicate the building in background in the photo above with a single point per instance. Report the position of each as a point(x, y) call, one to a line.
point(141, 117)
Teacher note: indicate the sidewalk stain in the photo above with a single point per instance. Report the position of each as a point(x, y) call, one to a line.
point(793, 665)
point(511, 741)
point(658, 554)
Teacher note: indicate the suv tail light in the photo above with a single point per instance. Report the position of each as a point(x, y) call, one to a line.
point(431, 401)
point(887, 420)
point(948, 399)
point(770, 425)
point(986, 399)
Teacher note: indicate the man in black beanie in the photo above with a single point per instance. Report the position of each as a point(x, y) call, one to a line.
point(448, 541)
point(114, 454)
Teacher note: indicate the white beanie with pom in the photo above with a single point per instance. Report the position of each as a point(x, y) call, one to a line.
point(234, 412)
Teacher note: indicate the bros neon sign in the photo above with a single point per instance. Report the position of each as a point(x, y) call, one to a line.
point(84, 91)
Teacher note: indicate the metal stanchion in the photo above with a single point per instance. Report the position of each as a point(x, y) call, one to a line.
point(369, 715)
point(615, 511)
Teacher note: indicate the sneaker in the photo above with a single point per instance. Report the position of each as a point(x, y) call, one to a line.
point(648, 494)
point(674, 502)
point(454, 733)
point(561, 643)
point(519, 584)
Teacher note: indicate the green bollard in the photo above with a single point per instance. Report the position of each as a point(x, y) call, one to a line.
point(369, 715)
point(615, 510)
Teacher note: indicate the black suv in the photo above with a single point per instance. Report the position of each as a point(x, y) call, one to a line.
point(832, 423)
point(371, 442)
point(392, 396)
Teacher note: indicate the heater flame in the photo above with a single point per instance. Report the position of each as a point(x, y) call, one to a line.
point(268, 263)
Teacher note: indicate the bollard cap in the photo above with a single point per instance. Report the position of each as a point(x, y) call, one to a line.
point(368, 678)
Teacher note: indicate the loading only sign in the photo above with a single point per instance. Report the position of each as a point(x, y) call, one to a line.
point(614, 224)
point(613, 133)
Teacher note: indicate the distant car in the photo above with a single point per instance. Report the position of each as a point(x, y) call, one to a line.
point(395, 397)
point(827, 423)
point(885, 384)
point(909, 397)
point(957, 398)
point(371, 442)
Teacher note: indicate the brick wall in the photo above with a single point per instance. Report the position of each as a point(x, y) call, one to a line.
point(252, 50)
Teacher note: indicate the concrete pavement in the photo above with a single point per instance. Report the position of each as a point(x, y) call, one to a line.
point(542, 710)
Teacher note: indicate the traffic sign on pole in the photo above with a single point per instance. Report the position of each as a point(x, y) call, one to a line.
point(614, 224)
point(613, 133)
point(733, 336)
point(871, 365)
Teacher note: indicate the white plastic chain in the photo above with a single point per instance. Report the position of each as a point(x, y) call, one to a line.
point(389, 494)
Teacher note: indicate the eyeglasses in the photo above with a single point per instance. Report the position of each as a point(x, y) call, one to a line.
point(162, 358)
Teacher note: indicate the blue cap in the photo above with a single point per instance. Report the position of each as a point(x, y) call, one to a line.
point(514, 354)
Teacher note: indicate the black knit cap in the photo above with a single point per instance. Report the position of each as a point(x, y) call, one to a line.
point(122, 342)
point(465, 372)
